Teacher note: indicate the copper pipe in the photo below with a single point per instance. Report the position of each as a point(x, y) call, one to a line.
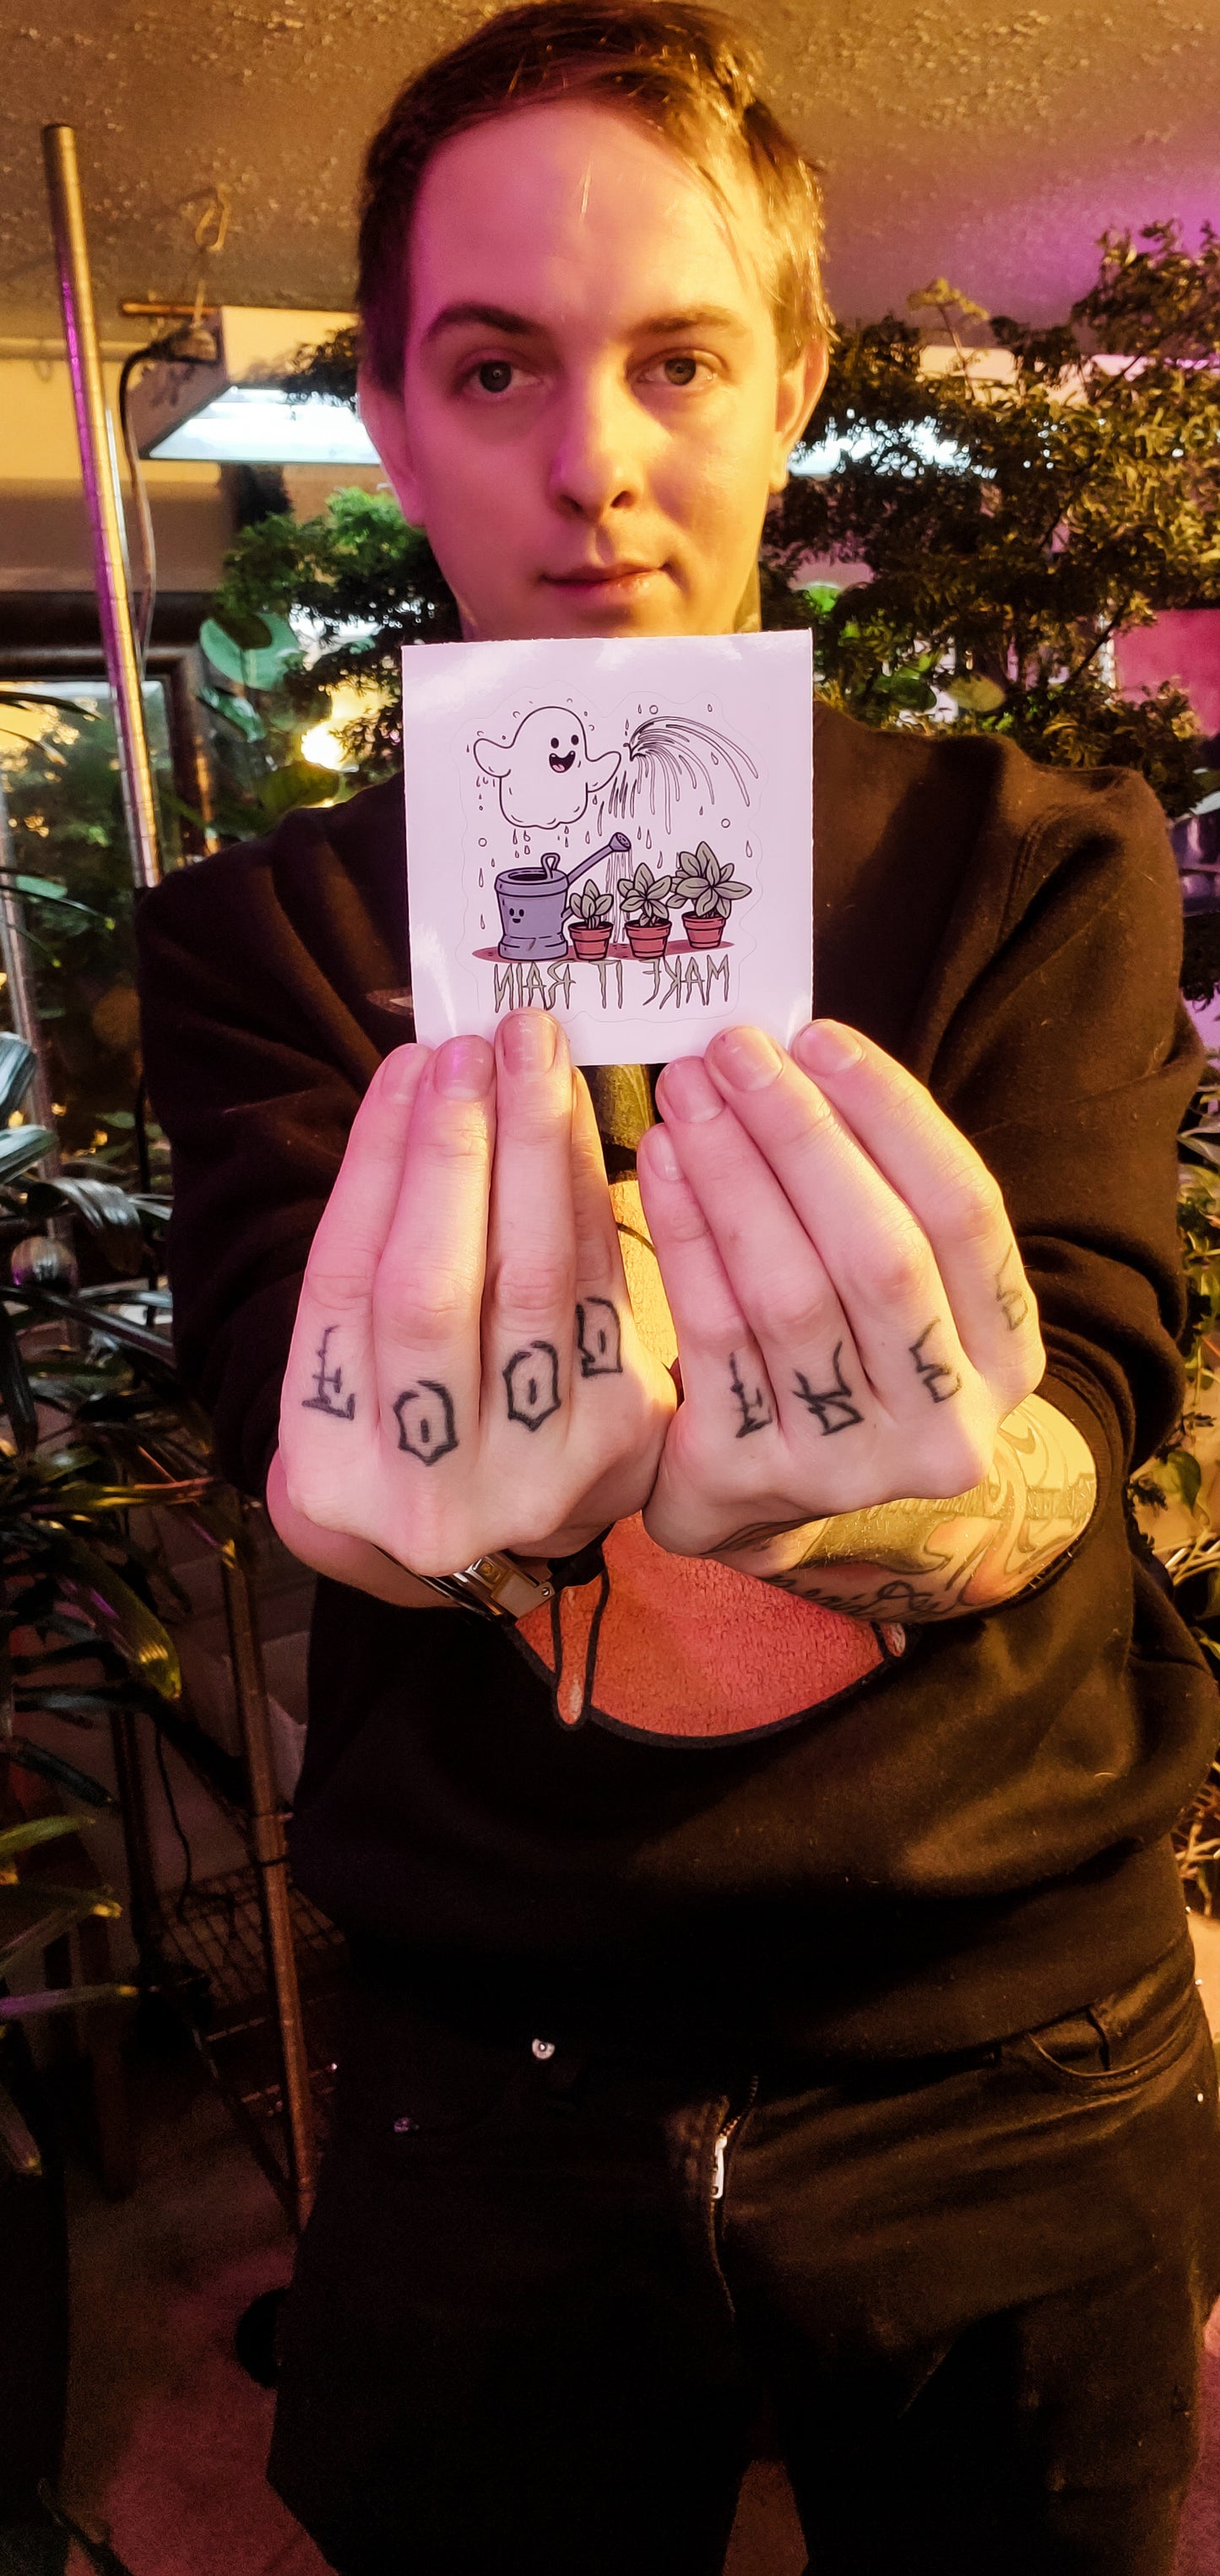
point(100, 475)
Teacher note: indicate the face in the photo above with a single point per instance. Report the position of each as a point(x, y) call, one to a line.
point(593, 409)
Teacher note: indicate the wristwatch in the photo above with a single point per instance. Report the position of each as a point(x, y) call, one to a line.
point(494, 1586)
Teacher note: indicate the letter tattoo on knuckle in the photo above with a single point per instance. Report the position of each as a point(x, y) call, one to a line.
point(531, 1379)
point(832, 1409)
point(425, 1419)
point(1011, 1300)
point(940, 1379)
point(598, 1341)
point(328, 1384)
point(756, 1414)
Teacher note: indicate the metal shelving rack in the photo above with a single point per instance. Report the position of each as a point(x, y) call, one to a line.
point(246, 1961)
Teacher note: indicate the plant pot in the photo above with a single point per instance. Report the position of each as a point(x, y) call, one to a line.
point(704, 929)
point(591, 940)
point(648, 938)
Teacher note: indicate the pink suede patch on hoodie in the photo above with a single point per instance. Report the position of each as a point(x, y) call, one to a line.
point(685, 1648)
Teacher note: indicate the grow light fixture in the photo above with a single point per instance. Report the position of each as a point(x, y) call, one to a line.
point(229, 410)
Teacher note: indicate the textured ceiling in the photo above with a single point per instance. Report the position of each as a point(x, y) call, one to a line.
point(988, 143)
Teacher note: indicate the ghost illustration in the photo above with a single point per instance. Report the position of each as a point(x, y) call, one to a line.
point(546, 774)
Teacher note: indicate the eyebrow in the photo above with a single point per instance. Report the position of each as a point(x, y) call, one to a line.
point(496, 317)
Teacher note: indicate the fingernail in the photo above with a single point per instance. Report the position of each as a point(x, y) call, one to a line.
point(746, 1058)
point(686, 1090)
point(658, 1149)
point(463, 1068)
point(527, 1039)
point(402, 1070)
point(827, 1047)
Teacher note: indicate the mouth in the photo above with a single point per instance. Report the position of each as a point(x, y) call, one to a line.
point(562, 760)
point(612, 579)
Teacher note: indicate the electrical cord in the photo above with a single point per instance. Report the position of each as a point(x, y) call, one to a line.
point(135, 467)
point(166, 348)
point(172, 1804)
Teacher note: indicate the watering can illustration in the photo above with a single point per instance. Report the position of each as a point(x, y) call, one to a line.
point(533, 900)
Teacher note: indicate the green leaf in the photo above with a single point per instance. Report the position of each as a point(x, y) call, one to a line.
point(64, 1999)
point(51, 1766)
point(38, 1829)
point(119, 1614)
point(18, 2146)
point(22, 1146)
point(16, 1393)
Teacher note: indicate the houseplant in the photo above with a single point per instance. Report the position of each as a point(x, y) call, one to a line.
point(645, 902)
point(590, 919)
point(709, 888)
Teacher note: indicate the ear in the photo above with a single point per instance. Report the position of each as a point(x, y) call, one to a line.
point(495, 757)
point(600, 772)
point(797, 394)
point(386, 422)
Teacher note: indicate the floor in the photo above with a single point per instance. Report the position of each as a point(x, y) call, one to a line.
point(167, 2436)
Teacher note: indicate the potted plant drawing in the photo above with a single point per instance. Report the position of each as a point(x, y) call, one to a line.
point(646, 900)
point(589, 918)
point(709, 889)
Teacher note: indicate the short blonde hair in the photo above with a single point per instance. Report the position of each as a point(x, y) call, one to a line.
point(684, 70)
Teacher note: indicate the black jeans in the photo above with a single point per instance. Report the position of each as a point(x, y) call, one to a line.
point(526, 2333)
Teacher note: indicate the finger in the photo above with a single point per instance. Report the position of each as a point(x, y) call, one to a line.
point(948, 1187)
point(429, 1282)
point(531, 1270)
point(330, 1383)
point(724, 1375)
point(865, 1282)
point(605, 1326)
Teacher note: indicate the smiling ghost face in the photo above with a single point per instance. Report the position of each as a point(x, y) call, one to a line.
point(546, 774)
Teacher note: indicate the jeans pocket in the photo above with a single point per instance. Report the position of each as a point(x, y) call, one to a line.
point(406, 2081)
point(1123, 2039)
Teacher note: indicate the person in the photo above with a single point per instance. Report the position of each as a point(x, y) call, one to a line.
point(746, 1789)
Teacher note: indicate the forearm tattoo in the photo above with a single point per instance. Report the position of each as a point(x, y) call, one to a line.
point(598, 1341)
point(919, 1559)
point(833, 1410)
point(756, 1414)
point(328, 1384)
point(426, 1426)
point(940, 1379)
point(531, 1380)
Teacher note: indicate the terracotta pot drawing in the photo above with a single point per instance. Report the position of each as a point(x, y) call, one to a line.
point(704, 929)
point(590, 941)
point(648, 938)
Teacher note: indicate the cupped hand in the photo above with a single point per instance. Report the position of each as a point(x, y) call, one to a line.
point(853, 1319)
point(465, 1375)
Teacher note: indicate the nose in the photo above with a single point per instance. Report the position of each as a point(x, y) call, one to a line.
point(596, 464)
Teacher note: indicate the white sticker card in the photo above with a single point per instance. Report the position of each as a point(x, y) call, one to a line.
point(618, 831)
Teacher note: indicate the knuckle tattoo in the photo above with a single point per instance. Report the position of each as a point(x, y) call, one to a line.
point(328, 1385)
point(598, 1338)
point(938, 1376)
point(426, 1424)
point(531, 1380)
point(756, 1414)
point(832, 1407)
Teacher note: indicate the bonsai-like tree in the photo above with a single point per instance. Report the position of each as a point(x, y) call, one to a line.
point(1049, 491)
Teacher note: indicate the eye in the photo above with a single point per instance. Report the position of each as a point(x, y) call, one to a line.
point(554, 742)
point(494, 375)
point(575, 742)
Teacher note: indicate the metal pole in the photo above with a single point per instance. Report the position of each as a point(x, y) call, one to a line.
point(19, 970)
point(100, 474)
